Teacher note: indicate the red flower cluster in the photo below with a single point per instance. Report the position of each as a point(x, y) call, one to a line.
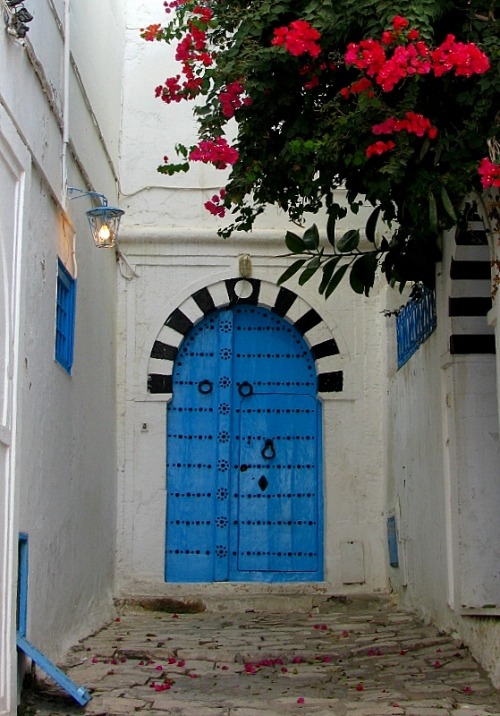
point(413, 123)
point(299, 38)
point(379, 148)
point(465, 59)
point(215, 206)
point(214, 151)
point(366, 55)
point(191, 52)
point(231, 99)
point(489, 172)
point(362, 85)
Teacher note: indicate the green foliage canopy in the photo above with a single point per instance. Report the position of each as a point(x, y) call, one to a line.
point(305, 126)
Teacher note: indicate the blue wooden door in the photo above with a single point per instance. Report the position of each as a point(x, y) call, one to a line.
point(244, 498)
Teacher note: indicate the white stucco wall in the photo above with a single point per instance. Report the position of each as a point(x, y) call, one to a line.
point(168, 273)
point(443, 451)
point(170, 240)
point(60, 477)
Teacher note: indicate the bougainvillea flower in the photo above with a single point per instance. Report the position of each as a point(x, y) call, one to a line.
point(489, 172)
point(298, 38)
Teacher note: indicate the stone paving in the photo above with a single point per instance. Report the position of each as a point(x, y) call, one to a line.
point(345, 659)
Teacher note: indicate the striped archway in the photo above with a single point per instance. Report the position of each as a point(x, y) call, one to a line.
point(229, 292)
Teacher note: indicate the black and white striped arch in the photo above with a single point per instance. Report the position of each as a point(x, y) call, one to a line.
point(279, 300)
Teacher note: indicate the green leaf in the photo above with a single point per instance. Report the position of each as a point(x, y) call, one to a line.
point(330, 228)
point(311, 237)
point(371, 224)
point(294, 243)
point(362, 276)
point(328, 269)
point(349, 241)
point(336, 279)
point(291, 271)
point(433, 222)
point(448, 206)
point(309, 272)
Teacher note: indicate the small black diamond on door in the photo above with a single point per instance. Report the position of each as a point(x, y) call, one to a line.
point(263, 483)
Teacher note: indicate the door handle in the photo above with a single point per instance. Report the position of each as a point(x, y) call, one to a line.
point(245, 389)
point(205, 386)
point(268, 452)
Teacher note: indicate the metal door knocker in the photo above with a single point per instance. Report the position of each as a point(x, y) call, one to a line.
point(268, 451)
point(205, 386)
point(245, 389)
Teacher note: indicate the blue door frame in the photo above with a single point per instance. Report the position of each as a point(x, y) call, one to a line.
point(244, 485)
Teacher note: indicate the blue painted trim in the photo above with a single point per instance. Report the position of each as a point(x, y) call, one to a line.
point(414, 324)
point(22, 584)
point(392, 540)
point(79, 693)
point(65, 317)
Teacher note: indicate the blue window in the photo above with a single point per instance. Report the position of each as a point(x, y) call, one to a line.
point(414, 323)
point(65, 317)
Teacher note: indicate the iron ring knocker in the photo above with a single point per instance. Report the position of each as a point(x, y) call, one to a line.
point(268, 452)
point(245, 389)
point(205, 386)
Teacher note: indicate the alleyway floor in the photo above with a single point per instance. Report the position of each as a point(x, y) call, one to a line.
point(354, 658)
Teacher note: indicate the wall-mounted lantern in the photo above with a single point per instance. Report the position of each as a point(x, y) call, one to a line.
point(17, 18)
point(104, 220)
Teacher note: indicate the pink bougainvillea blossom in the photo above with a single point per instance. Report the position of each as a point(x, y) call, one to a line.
point(214, 151)
point(399, 23)
point(216, 207)
point(413, 56)
point(489, 173)
point(231, 99)
point(298, 38)
point(413, 123)
point(379, 147)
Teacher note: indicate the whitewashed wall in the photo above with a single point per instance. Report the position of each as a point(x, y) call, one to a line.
point(60, 475)
point(169, 272)
point(171, 243)
point(443, 456)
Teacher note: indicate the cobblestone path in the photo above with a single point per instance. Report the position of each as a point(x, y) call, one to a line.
point(348, 660)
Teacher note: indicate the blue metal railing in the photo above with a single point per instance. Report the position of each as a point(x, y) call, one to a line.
point(414, 324)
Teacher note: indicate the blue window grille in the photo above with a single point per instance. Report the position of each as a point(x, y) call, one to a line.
point(65, 317)
point(414, 323)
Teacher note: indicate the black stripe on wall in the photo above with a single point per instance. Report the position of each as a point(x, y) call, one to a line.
point(479, 343)
point(159, 383)
point(179, 322)
point(327, 348)
point(331, 382)
point(471, 238)
point(284, 302)
point(204, 301)
point(307, 321)
point(252, 300)
point(164, 351)
point(470, 306)
point(471, 270)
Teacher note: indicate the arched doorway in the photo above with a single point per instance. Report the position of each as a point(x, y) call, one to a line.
point(244, 478)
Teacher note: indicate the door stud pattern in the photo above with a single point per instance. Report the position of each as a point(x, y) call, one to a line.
point(244, 498)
